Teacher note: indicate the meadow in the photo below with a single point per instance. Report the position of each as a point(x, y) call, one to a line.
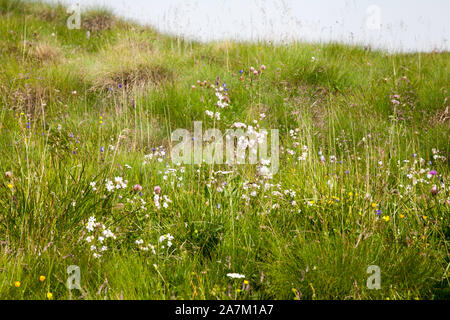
point(86, 177)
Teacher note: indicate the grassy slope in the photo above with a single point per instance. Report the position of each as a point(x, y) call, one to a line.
point(314, 248)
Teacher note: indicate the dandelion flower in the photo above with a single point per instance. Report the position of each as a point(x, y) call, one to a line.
point(17, 284)
point(49, 295)
point(42, 278)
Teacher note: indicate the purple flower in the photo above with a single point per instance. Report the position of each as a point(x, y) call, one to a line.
point(74, 152)
point(120, 85)
point(433, 172)
point(137, 187)
point(414, 155)
point(102, 149)
point(378, 212)
point(347, 172)
point(241, 71)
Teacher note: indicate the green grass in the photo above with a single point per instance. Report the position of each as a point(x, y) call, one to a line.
point(310, 232)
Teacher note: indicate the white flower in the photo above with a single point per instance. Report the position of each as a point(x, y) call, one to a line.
point(91, 224)
point(235, 275)
point(109, 185)
point(108, 234)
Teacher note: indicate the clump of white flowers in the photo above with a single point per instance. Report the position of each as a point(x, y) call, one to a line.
point(166, 237)
point(118, 183)
point(98, 237)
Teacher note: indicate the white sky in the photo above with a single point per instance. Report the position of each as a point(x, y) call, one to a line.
point(396, 25)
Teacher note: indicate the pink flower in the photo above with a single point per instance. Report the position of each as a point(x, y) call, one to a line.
point(157, 190)
point(255, 72)
point(252, 69)
point(263, 67)
point(137, 188)
point(434, 190)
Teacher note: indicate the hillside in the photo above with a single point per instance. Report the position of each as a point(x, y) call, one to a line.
point(87, 179)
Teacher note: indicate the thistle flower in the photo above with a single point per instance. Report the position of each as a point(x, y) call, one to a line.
point(137, 187)
point(157, 190)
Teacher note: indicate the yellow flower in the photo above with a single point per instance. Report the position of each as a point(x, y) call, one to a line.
point(10, 185)
point(350, 194)
point(245, 282)
point(424, 217)
point(374, 205)
point(402, 216)
point(49, 295)
point(101, 121)
point(17, 284)
point(386, 218)
point(42, 278)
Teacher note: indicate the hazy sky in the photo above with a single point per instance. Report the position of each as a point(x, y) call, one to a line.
point(396, 25)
